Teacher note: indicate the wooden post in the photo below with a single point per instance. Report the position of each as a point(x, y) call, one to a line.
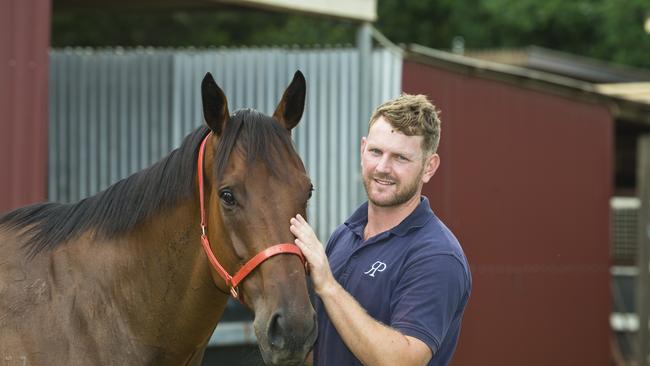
point(364, 45)
point(643, 251)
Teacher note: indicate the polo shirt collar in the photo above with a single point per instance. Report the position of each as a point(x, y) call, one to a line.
point(422, 213)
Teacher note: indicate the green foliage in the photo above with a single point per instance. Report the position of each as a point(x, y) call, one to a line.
point(606, 29)
point(622, 38)
point(194, 29)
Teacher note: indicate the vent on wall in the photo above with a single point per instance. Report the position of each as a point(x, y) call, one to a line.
point(624, 228)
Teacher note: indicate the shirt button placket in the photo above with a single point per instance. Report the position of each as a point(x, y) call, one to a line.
point(348, 267)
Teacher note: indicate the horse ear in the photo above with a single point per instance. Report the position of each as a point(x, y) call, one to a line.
point(289, 110)
point(215, 105)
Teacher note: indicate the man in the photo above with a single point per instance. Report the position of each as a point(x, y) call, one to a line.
point(393, 282)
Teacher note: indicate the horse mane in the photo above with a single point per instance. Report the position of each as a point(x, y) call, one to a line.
point(132, 200)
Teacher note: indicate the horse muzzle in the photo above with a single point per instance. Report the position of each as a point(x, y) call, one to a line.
point(286, 337)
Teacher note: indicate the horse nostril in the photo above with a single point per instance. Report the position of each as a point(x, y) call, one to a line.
point(276, 330)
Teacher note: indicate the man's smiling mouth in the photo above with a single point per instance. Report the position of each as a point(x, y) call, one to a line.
point(384, 182)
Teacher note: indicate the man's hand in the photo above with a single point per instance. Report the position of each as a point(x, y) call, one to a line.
point(314, 252)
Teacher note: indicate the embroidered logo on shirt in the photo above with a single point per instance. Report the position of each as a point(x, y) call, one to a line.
point(376, 267)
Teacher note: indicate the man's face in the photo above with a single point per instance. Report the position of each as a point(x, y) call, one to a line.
point(393, 165)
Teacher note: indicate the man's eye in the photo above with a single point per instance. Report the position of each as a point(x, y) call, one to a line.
point(227, 197)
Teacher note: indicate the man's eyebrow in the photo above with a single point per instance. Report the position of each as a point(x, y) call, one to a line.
point(370, 145)
point(405, 154)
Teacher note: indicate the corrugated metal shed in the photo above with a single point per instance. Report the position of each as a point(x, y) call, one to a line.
point(24, 43)
point(114, 112)
point(525, 183)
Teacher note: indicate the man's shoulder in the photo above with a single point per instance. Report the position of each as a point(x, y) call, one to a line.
point(434, 235)
point(339, 232)
point(435, 239)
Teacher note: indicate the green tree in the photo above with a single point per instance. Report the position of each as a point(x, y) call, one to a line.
point(94, 28)
point(621, 36)
point(610, 30)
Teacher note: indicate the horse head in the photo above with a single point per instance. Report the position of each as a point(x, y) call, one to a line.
point(254, 183)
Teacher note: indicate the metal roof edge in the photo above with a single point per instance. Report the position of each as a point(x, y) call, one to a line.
point(483, 66)
point(357, 11)
point(619, 107)
point(540, 56)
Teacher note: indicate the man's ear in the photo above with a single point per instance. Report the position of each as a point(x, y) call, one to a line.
point(289, 110)
point(215, 105)
point(431, 166)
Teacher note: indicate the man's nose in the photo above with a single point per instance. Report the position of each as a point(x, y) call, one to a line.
point(383, 165)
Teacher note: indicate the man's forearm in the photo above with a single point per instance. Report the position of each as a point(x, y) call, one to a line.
point(370, 341)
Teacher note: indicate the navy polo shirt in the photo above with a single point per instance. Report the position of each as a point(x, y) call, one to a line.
point(413, 277)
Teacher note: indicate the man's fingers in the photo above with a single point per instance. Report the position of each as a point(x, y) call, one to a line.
point(298, 232)
point(306, 251)
point(301, 245)
point(303, 233)
point(299, 228)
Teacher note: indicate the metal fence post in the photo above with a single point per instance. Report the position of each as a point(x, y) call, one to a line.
point(643, 255)
point(364, 44)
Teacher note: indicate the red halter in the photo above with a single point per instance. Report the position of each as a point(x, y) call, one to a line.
point(233, 281)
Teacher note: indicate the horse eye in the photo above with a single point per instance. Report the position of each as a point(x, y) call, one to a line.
point(311, 190)
point(227, 197)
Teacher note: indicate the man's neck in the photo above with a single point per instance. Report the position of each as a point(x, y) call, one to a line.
point(382, 219)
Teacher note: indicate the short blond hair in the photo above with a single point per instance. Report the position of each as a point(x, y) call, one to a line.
point(412, 115)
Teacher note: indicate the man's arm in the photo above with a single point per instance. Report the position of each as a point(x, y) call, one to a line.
point(370, 341)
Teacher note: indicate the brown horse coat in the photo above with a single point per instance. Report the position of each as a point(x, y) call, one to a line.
point(120, 278)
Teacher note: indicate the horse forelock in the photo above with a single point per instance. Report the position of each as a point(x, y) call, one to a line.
point(259, 138)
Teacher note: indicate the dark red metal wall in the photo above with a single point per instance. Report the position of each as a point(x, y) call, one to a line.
point(525, 183)
point(24, 46)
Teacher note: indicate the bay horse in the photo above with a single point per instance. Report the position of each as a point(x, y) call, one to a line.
point(139, 273)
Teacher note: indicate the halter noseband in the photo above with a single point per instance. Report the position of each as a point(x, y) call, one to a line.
point(233, 281)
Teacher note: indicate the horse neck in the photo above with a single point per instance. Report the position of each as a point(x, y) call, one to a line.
point(159, 281)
